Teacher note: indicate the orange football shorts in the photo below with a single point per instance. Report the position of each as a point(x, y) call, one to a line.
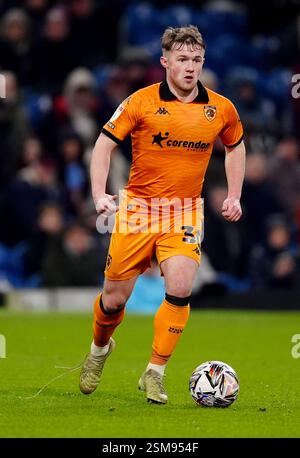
point(139, 235)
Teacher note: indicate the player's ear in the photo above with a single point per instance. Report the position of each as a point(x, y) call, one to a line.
point(164, 61)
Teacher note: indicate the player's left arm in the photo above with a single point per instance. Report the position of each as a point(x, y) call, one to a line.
point(235, 160)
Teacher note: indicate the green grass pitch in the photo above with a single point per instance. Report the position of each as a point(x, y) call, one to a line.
point(257, 344)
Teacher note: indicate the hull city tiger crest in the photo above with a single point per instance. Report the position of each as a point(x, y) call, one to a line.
point(210, 112)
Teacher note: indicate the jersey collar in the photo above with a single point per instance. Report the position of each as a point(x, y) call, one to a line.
point(166, 95)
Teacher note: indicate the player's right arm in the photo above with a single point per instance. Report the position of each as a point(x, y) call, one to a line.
point(122, 122)
point(99, 170)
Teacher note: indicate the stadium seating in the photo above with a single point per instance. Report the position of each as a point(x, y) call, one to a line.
point(229, 48)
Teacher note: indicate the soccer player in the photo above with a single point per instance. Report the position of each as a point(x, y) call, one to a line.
point(173, 126)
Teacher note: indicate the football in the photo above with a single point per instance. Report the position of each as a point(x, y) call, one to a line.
point(214, 384)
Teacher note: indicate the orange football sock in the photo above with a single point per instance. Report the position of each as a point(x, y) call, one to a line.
point(169, 322)
point(104, 323)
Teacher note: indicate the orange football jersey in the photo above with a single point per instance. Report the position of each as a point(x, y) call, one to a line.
point(172, 141)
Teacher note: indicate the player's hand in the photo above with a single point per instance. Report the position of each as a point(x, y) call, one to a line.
point(231, 209)
point(105, 205)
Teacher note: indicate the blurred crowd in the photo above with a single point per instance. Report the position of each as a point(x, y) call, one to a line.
point(67, 65)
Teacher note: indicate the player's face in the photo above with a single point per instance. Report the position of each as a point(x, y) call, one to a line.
point(184, 65)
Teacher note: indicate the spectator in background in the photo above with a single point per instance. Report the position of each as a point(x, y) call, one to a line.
point(75, 33)
point(257, 113)
point(77, 109)
point(73, 260)
point(25, 195)
point(284, 174)
point(50, 223)
point(154, 73)
point(82, 104)
point(117, 88)
point(275, 264)
point(258, 196)
point(288, 44)
point(15, 44)
point(72, 171)
point(53, 57)
point(210, 79)
point(90, 21)
point(87, 26)
point(14, 128)
point(31, 154)
point(135, 69)
point(297, 221)
point(226, 245)
point(36, 10)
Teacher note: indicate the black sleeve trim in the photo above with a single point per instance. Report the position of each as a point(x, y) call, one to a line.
point(111, 136)
point(236, 144)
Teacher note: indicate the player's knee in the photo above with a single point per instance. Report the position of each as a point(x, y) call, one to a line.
point(114, 308)
point(114, 302)
point(179, 287)
point(179, 291)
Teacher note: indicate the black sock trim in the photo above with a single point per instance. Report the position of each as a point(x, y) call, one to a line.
point(106, 312)
point(179, 301)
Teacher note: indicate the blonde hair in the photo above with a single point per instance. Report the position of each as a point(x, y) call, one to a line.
point(179, 36)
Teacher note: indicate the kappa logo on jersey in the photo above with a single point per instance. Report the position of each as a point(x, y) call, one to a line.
point(210, 112)
point(158, 139)
point(162, 111)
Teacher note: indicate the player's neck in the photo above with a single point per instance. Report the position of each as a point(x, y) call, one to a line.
point(183, 96)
